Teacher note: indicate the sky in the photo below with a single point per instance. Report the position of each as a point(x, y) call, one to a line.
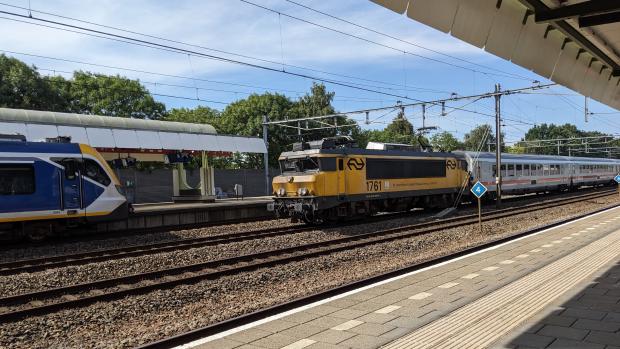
point(269, 37)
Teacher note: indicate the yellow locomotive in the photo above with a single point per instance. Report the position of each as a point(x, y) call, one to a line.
point(330, 179)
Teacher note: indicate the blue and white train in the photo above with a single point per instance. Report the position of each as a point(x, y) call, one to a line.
point(46, 188)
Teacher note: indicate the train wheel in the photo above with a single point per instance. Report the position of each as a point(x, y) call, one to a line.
point(313, 219)
point(38, 232)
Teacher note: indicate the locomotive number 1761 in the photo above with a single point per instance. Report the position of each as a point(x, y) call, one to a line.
point(373, 185)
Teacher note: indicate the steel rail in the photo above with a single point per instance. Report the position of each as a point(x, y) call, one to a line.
point(115, 288)
point(219, 327)
point(64, 260)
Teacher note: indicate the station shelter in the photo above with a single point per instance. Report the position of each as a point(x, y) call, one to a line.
point(124, 141)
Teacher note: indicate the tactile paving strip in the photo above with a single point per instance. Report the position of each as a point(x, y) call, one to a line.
point(484, 321)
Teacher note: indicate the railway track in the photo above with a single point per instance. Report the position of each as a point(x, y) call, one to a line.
point(47, 301)
point(39, 264)
point(245, 319)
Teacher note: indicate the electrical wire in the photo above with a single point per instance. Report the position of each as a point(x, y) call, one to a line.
point(144, 43)
point(154, 94)
point(402, 40)
point(409, 88)
point(336, 98)
point(378, 43)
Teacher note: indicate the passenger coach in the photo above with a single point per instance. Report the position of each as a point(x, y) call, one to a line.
point(525, 173)
point(46, 188)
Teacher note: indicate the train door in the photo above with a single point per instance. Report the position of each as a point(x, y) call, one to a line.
point(342, 190)
point(71, 186)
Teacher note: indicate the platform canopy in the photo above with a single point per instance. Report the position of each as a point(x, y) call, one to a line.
point(123, 134)
point(574, 43)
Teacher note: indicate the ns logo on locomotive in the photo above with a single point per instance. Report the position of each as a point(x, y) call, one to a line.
point(332, 179)
point(47, 188)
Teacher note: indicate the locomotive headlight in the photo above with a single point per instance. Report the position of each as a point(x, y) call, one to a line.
point(281, 192)
point(302, 191)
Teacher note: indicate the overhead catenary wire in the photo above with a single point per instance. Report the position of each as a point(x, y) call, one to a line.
point(402, 40)
point(378, 43)
point(168, 48)
point(411, 88)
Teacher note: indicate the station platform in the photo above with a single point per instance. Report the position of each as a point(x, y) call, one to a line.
point(558, 288)
point(188, 214)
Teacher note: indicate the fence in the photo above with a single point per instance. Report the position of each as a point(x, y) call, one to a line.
point(156, 185)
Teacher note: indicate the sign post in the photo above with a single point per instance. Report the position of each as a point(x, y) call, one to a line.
point(479, 190)
point(617, 179)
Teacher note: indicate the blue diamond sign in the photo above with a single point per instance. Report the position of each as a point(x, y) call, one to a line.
point(617, 179)
point(479, 189)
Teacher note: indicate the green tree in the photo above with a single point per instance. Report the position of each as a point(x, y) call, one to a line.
point(199, 115)
point(112, 96)
point(445, 141)
point(245, 118)
point(400, 126)
point(401, 131)
point(566, 131)
point(479, 138)
point(22, 87)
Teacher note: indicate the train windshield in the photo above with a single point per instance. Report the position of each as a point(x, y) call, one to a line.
point(299, 165)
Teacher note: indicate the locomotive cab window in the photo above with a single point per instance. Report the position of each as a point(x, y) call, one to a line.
point(299, 165)
point(17, 179)
point(71, 166)
point(93, 171)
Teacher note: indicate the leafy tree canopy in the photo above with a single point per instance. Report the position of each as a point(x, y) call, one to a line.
point(479, 138)
point(445, 141)
point(22, 87)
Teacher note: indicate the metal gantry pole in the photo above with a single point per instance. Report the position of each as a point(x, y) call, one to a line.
point(585, 108)
point(266, 156)
point(498, 147)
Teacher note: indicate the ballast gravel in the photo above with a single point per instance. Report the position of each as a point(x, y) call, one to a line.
point(141, 319)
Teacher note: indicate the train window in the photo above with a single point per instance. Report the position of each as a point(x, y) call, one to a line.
point(327, 164)
point(93, 171)
point(494, 169)
point(71, 166)
point(463, 164)
point(511, 170)
point(526, 170)
point(393, 168)
point(299, 165)
point(519, 170)
point(17, 179)
point(340, 164)
point(545, 170)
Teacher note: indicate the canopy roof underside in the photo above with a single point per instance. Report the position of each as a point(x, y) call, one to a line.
point(574, 43)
